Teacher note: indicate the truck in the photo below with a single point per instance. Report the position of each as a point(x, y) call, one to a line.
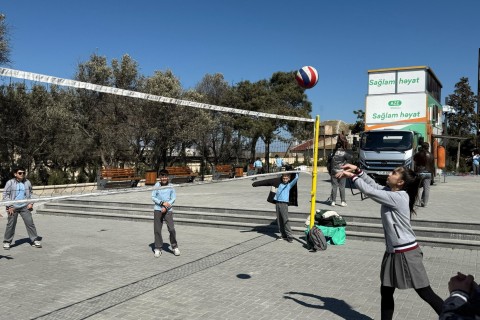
point(402, 110)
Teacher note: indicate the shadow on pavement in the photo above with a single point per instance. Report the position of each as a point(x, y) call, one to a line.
point(271, 230)
point(336, 306)
point(325, 202)
point(165, 247)
point(268, 229)
point(20, 242)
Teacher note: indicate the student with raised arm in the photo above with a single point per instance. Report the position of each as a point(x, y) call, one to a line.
point(284, 195)
point(402, 264)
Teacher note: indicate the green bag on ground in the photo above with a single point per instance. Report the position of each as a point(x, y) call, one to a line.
point(334, 235)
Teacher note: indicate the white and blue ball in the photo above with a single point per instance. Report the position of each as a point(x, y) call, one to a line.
point(307, 77)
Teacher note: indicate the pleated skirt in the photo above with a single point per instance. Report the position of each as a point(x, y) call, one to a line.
point(404, 270)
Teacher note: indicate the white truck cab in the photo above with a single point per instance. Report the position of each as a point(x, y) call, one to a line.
point(381, 151)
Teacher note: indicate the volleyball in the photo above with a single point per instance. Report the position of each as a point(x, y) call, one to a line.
point(307, 77)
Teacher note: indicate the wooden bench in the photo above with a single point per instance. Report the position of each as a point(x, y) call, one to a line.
point(181, 174)
point(117, 178)
point(222, 171)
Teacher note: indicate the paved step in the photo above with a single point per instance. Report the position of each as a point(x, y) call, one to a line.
point(416, 222)
point(422, 227)
point(423, 241)
point(436, 233)
point(428, 232)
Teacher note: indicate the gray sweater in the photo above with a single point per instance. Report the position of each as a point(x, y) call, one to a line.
point(11, 188)
point(340, 158)
point(395, 213)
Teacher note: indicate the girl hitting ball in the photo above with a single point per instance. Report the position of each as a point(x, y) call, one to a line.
point(402, 265)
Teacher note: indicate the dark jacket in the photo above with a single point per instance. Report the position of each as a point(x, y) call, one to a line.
point(424, 162)
point(456, 308)
point(275, 182)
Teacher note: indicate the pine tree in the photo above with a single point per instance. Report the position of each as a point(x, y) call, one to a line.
point(463, 121)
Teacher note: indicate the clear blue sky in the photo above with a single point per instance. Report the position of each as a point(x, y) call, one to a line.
point(252, 39)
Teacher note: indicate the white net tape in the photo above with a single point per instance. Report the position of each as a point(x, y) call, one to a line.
point(134, 94)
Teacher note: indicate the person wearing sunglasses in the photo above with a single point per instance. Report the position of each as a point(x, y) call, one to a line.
point(17, 189)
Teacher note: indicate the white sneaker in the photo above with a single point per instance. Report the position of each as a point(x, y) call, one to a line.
point(343, 204)
point(332, 203)
point(176, 251)
point(157, 253)
point(37, 244)
point(6, 245)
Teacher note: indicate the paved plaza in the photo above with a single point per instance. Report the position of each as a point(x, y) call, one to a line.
point(105, 269)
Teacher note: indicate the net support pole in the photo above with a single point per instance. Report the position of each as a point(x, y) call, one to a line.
point(313, 193)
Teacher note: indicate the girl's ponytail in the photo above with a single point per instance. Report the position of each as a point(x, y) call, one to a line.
point(412, 182)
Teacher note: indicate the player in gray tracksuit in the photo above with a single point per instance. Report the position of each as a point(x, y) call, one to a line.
point(19, 188)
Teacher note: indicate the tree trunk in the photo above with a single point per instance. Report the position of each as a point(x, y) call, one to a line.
point(104, 160)
point(253, 149)
point(267, 154)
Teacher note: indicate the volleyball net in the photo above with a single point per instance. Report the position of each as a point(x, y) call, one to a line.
point(70, 125)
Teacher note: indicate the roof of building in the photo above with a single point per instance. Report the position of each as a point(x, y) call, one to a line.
point(329, 130)
point(328, 143)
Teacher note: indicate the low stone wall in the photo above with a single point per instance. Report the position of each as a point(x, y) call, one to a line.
point(79, 188)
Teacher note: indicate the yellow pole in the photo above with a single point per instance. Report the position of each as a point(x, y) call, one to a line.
point(314, 172)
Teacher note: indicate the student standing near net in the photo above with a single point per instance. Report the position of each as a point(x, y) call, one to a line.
point(283, 194)
point(402, 264)
point(164, 197)
point(425, 163)
point(258, 165)
point(339, 158)
point(476, 162)
point(19, 188)
point(278, 163)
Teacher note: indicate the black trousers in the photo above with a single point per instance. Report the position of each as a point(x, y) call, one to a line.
point(388, 304)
